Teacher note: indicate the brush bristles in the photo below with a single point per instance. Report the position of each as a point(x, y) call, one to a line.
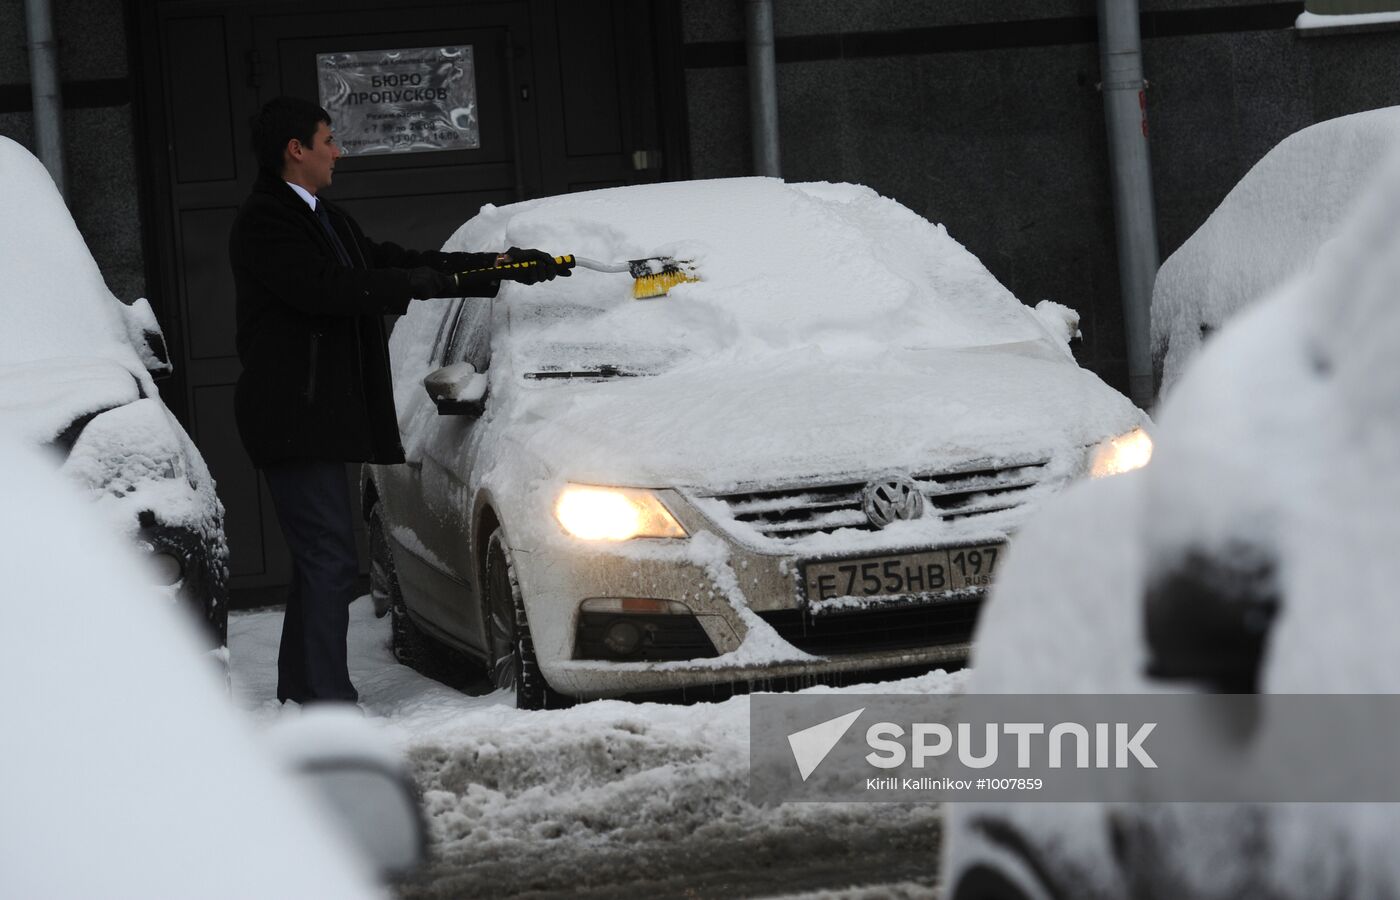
point(648, 286)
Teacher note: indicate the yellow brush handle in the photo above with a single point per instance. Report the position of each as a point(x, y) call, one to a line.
point(564, 262)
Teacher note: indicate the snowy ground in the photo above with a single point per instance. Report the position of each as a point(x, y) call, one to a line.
point(607, 797)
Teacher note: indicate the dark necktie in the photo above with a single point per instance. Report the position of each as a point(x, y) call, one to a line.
point(324, 218)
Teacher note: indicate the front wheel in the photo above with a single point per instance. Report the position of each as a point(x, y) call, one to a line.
point(513, 662)
point(983, 882)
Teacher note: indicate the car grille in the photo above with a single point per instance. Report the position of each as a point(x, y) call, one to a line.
point(873, 630)
point(799, 512)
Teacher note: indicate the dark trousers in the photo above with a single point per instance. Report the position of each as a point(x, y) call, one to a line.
point(313, 507)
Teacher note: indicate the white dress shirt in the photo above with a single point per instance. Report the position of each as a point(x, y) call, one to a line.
point(306, 195)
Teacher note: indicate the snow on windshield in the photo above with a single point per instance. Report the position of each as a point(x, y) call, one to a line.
point(782, 266)
point(1269, 228)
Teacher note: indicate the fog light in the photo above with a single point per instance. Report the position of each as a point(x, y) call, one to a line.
point(623, 638)
point(165, 568)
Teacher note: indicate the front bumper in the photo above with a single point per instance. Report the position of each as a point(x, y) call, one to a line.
point(746, 603)
point(588, 679)
point(739, 575)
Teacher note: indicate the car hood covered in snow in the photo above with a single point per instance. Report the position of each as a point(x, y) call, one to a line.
point(802, 416)
point(112, 438)
point(41, 400)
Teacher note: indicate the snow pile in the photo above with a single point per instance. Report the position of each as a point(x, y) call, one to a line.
point(1268, 228)
point(123, 770)
point(602, 796)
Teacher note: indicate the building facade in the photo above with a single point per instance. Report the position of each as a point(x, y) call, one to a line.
point(983, 116)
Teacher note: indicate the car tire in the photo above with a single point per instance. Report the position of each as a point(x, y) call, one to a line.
point(982, 882)
point(513, 661)
point(410, 645)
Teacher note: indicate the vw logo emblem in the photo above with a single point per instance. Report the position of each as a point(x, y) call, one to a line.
point(892, 497)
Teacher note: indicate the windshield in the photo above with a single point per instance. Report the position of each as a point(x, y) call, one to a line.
point(563, 340)
point(781, 267)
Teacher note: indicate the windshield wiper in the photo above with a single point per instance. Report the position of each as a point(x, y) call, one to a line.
point(605, 371)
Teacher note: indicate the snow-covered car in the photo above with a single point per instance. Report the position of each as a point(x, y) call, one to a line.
point(807, 463)
point(1256, 553)
point(125, 769)
point(1270, 227)
point(77, 371)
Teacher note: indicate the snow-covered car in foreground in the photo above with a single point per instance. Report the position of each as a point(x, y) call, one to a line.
point(76, 377)
point(1255, 553)
point(806, 463)
point(1269, 228)
point(125, 770)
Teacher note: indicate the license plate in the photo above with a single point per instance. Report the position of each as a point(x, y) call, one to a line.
point(902, 574)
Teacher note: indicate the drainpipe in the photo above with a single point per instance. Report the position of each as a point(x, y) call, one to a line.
point(44, 84)
point(763, 88)
point(1125, 110)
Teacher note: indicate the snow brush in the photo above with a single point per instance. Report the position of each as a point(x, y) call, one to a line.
point(652, 277)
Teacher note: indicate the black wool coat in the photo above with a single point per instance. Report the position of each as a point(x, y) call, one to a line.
point(311, 336)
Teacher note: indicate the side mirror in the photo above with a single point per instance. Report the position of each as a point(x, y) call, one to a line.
point(1059, 320)
point(146, 336)
point(1207, 619)
point(458, 390)
point(359, 781)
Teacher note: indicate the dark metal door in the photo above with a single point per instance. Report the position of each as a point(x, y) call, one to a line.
point(569, 99)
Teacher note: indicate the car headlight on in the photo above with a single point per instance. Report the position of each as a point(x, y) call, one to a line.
point(614, 514)
point(1121, 454)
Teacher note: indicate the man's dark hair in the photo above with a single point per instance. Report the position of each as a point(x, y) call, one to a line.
point(280, 120)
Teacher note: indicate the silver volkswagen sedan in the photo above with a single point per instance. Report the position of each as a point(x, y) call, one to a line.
point(804, 465)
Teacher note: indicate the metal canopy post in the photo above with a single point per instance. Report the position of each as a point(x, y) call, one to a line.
point(1125, 110)
point(763, 88)
point(44, 85)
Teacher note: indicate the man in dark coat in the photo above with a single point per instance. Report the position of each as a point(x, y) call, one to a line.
point(315, 391)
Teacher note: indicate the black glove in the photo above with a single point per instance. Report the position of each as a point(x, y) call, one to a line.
point(544, 268)
point(424, 282)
